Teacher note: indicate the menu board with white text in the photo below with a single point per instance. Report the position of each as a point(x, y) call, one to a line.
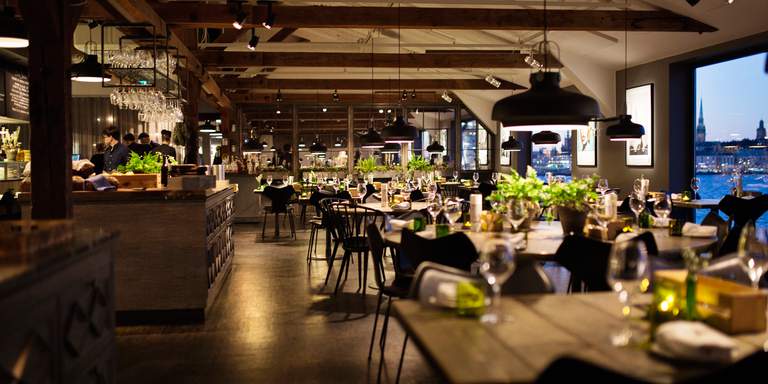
point(16, 95)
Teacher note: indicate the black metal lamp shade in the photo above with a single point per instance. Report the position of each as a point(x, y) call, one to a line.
point(371, 140)
point(13, 34)
point(435, 147)
point(624, 129)
point(399, 131)
point(207, 127)
point(545, 106)
point(511, 145)
point(89, 71)
point(391, 148)
point(545, 137)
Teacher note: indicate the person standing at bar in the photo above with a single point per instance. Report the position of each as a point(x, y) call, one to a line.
point(145, 144)
point(116, 153)
point(165, 148)
point(129, 140)
point(98, 158)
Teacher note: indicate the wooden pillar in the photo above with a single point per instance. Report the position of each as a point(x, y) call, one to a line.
point(457, 137)
point(226, 130)
point(50, 25)
point(295, 142)
point(350, 140)
point(191, 121)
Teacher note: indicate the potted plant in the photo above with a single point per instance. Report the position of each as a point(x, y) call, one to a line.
point(515, 187)
point(570, 201)
point(11, 143)
point(418, 166)
point(366, 167)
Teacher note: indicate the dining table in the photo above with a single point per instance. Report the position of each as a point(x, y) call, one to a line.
point(538, 330)
point(415, 206)
point(544, 238)
point(711, 204)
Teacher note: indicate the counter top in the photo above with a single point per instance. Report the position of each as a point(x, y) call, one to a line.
point(140, 195)
point(17, 269)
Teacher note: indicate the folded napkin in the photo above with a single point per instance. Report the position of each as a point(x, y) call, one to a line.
point(693, 341)
point(625, 236)
point(676, 196)
point(658, 222)
point(398, 224)
point(100, 183)
point(402, 206)
point(696, 230)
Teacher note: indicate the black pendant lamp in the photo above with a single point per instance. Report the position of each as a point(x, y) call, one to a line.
point(371, 139)
point(545, 137)
point(435, 147)
point(625, 129)
point(545, 106)
point(302, 146)
point(399, 131)
point(511, 145)
point(89, 70)
point(318, 148)
point(207, 127)
point(391, 148)
point(13, 34)
point(251, 145)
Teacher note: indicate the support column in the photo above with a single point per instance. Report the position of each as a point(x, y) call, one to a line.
point(226, 131)
point(191, 121)
point(350, 140)
point(295, 143)
point(50, 25)
point(526, 151)
point(457, 137)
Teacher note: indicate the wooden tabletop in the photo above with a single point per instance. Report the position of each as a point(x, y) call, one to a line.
point(543, 328)
point(546, 237)
point(415, 206)
point(697, 204)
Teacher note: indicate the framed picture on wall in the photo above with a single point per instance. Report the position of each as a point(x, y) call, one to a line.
point(586, 146)
point(639, 152)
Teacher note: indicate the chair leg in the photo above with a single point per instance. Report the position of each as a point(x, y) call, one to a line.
point(277, 225)
point(383, 339)
point(402, 357)
point(264, 226)
point(375, 322)
point(292, 224)
point(365, 271)
point(311, 241)
point(344, 262)
point(359, 272)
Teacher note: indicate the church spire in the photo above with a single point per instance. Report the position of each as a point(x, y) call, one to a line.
point(701, 130)
point(701, 111)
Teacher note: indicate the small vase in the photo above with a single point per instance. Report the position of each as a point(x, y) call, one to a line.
point(572, 220)
point(10, 154)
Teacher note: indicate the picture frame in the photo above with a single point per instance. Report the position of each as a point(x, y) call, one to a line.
point(639, 152)
point(586, 146)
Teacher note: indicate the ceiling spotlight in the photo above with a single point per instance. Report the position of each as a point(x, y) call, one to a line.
point(446, 97)
point(389, 111)
point(325, 109)
point(692, 2)
point(381, 111)
point(254, 40)
point(278, 112)
point(270, 21)
point(336, 97)
point(413, 94)
point(493, 81)
point(731, 1)
point(240, 19)
point(12, 31)
point(533, 63)
point(404, 96)
point(279, 97)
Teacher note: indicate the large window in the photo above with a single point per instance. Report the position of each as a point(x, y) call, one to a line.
point(434, 124)
point(730, 130)
point(554, 158)
point(476, 144)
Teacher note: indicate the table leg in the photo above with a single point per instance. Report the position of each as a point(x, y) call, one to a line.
point(328, 244)
point(277, 225)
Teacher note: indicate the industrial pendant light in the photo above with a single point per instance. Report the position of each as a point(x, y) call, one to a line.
point(399, 131)
point(318, 148)
point(12, 31)
point(390, 148)
point(435, 147)
point(89, 70)
point(251, 145)
point(338, 142)
point(545, 137)
point(371, 139)
point(545, 106)
point(207, 127)
point(511, 144)
point(625, 129)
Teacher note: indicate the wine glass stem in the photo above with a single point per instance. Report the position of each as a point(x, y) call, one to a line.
point(496, 303)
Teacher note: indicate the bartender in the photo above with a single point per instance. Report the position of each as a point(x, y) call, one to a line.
point(116, 153)
point(165, 148)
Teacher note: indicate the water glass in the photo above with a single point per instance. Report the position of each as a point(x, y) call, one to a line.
point(637, 204)
point(452, 210)
point(434, 209)
point(269, 180)
point(627, 275)
point(497, 263)
point(455, 175)
point(494, 177)
point(602, 213)
point(753, 251)
point(695, 184)
point(662, 206)
point(517, 212)
point(602, 186)
point(475, 177)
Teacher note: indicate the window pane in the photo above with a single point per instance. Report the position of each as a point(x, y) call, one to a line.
point(555, 158)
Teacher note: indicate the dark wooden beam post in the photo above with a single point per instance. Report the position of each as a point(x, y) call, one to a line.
point(226, 130)
point(191, 121)
point(50, 25)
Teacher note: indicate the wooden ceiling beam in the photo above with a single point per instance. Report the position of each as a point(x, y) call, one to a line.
point(201, 15)
point(358, 98)
point(140, 11)
point(476, 59)
point(409, 84)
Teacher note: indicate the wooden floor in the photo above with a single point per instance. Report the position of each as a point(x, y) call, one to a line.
point(273, 323)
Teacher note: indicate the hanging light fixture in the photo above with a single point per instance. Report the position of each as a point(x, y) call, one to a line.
point(240, 17)
point(301, 143)
point(13, 34)
point(251, 145)
point(545, 106)
point(445, 96)
point(435, 147)
point(371, 139)
point(89, 70)
point(269, 22)
point(207, 127)
point(338, 142)
point(625, 129)
point(545, 137)
point(335, 96)
point(318, 147)
point(399, 131)
point(391, 148)
point(254, 40)
point(511, 144)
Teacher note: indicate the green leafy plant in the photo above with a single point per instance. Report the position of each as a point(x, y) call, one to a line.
point(498, 202)
point(151, 162)
point(367, 165)
point(419, 163)
point(574, 194)
point(514, 186)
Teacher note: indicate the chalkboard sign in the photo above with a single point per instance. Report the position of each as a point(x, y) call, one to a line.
point(17, 95)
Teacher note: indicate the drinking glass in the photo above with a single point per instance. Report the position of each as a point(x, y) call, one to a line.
point(361, 188)
point(269, 180)
point(550, 178)
point(497, 263)
point(434, 208)
point(494, 177)
point(602, 186)
point(662, 206)
point(695, 187)
point(455, 175)
point(602, 213)
point(517, 212)
point(452, 210)
point(753, 251)
point(475, 177)
point(637, 204)
point(431, 191)
point(627, 275)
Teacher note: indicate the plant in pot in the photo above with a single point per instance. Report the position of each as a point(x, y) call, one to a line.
point(571, 202)
point(419, 166)
point(528, 188)
point(10, 143)
point(366, 167)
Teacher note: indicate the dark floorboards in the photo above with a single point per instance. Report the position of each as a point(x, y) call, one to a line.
point(273, 322)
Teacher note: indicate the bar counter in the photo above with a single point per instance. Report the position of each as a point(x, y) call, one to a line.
point(174, 252)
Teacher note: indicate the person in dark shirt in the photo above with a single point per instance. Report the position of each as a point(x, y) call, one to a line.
point(98, 158)
point(129, 140)
point(116, 153)
point(147, 145)
point(165, 148)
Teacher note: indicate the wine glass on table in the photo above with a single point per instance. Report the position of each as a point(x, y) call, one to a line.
point(602, 186)
point(269, 180)
point(455, 175)
point(550, 178)
point(753, 251)
point(695, 185)
point(452, 210)
point(362, 189)
point(517, 212)
point(497, 263)
point(637, 204)
point(627, 275)
point(602, 213)
point(475, 177)
point(662, 207)
point(494, 177)
point(434, 208)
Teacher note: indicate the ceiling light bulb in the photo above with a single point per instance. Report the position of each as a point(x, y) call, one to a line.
point(270, 21)
point(493, 81)
point(381, 111)
point(325, 109)
point(239, 22)
point(279, 96)
point(533, 63)
point(278, 112)
point(254, 40)
point(446, 97)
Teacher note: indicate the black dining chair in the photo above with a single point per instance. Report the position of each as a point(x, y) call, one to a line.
point(449, 190)
point(332, 238)
point(455, 250)
point(486, 188)
point(280, 203)
point(740, 211)
point(528, 278)
point(350, 222)
point(369, 191)
point(417, 195)
point(316, 223)
point(587, 261)
point(396, 288)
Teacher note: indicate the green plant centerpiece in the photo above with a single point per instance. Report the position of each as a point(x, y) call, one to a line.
point(151, 162)
point(571, 202)
point(365, 167)
point(516, 187)
point(419, 164)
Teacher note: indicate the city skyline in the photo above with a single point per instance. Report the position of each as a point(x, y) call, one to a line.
point(733, 94)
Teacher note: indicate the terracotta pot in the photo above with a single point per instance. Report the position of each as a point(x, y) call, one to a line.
point(572, 220)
